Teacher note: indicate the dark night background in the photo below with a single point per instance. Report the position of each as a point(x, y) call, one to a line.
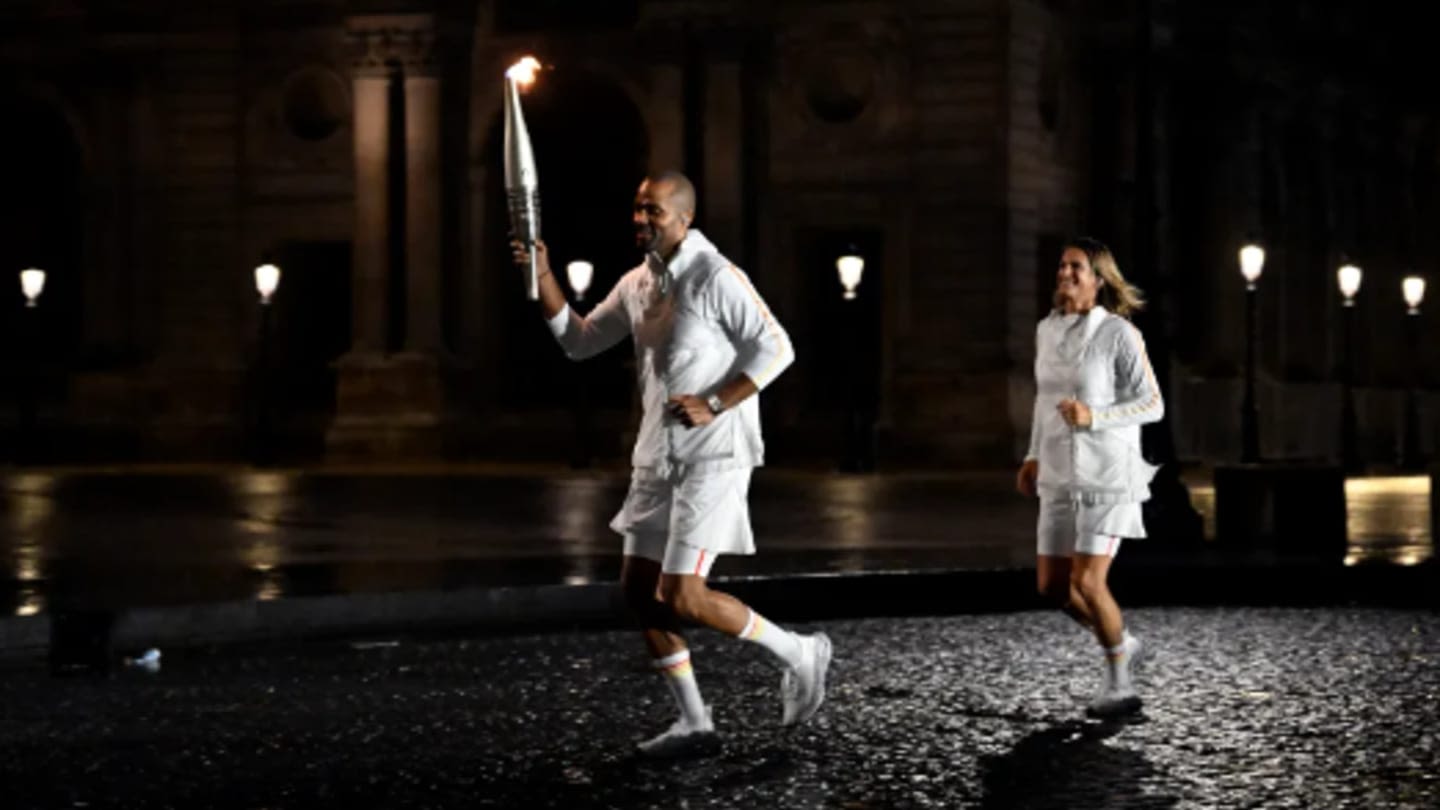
point(348, 518)
point(155, 152)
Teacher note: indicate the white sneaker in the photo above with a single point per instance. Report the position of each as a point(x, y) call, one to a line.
point(803, 688)
point(1118, 700)
point(1113, 702)
point(1136, 653)
point(682, 740)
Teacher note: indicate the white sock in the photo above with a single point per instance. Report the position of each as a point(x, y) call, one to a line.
point(680, 677)
point(1117, 664)
point(783, 643)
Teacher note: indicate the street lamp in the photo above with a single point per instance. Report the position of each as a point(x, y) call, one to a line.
point(267, 280)
point(1252, 264)
point(32, 283)
point(1413, 288)
point(1411, 455)
point(1349, 277)
point(580, 273)
point(850, 268)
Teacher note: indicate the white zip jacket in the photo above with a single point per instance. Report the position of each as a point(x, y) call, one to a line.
point(1099, 359)
point(696, 323)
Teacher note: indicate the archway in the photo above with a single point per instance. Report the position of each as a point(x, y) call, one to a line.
point(591, 149)
point(41, 225)
point(309, 331)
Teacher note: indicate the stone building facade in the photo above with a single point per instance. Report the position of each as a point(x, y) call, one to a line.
point(171, 147)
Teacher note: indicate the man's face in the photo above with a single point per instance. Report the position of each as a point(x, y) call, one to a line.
point(659, 227)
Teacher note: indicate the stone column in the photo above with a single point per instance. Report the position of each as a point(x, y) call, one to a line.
point(720, 214)
point(370, 82)
point(422, 195)
point(392, 406)
point(667, 118)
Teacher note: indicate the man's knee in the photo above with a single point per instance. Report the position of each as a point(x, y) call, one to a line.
point(685, 596)
point(640, 601)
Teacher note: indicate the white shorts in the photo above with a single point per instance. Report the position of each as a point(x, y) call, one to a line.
point(674, 557)
point(1068, 527)
point(685, 523)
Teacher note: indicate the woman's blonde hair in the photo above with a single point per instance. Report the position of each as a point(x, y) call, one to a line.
point(1115, 293)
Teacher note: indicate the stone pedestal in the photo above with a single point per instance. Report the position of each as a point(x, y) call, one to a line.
point(1289, 509)
point(388, 407)
point(192, 413)
point(1171, 521)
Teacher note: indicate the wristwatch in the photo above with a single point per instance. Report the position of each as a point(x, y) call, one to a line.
point(716, 404)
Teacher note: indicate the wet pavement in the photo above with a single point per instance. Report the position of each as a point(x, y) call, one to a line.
point(124, 539)
point(129, 540)
point(1268, 708)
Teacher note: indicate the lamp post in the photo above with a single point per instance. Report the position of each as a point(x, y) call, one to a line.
point(267, 280)
point(1252, 264)
point(1349, 277)
point(580, 274)
point(32, 284)
point(1412, 457)
point(850, 269)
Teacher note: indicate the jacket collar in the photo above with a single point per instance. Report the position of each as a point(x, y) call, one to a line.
point(691, 248)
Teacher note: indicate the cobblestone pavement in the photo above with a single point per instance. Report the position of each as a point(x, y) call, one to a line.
point(1269, 708)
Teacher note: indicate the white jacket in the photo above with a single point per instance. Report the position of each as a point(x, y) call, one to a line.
point(693, 332)
point(1099, 359)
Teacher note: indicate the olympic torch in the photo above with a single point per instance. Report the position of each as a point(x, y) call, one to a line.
point(522, 183)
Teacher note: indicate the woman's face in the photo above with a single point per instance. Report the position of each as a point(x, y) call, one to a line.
point(1075, 281)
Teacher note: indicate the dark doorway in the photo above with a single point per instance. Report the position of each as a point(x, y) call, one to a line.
point(842, 364)
point(41, 226)
point(591, 152)
point(309, 332)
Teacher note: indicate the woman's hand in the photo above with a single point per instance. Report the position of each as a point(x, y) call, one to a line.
point(1025, 479)
point(1075, 413)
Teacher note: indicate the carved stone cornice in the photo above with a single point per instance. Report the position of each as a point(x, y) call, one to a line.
point(383, 44)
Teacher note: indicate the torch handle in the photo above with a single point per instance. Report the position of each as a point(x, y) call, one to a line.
point(532, 275)
point(524, 207)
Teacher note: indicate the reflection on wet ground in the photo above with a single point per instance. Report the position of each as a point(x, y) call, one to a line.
point(1387, 518)
point(111, 540)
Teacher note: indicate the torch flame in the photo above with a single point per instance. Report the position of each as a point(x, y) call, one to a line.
point(523, 72)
